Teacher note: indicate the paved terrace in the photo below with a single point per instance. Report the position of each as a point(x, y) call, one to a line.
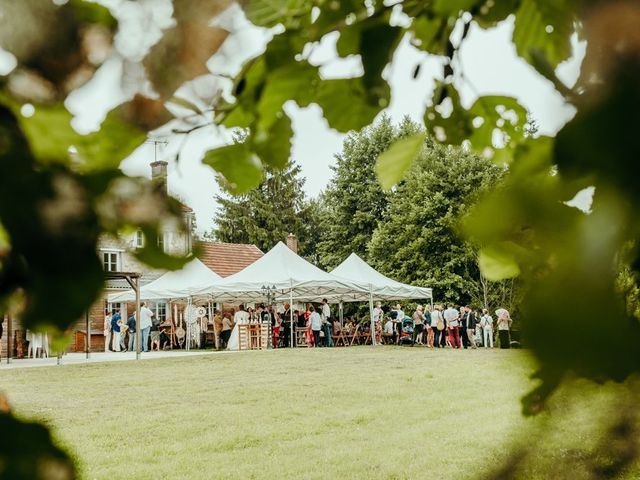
point(98, 357)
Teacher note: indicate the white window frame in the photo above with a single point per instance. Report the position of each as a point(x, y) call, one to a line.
point(107, 264)
point(139, 239)
point(161, 318)
point(112, 308)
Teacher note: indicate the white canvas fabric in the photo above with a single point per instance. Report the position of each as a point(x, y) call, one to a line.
point(293, 277)
point(357, 270)
point(194, 276)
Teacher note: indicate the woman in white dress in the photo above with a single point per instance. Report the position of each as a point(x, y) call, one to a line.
point(240, 318)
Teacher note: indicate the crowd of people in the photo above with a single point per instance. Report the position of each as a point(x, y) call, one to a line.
point(434, 327)
point(120, 334)
point(453, 327)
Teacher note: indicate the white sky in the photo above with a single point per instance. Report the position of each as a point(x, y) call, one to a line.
point(487, 60)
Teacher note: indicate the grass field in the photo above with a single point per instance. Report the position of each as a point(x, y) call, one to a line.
point(387, 413)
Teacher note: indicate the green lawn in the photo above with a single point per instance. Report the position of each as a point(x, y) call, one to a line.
point(328, 413)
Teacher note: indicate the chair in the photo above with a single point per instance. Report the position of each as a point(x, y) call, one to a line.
point(364, 338)
point(356, 332)
point(301, 337)
point(340, 338)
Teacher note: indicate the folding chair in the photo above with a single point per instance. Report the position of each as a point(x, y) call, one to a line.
point(340, 338)
point(356, 332)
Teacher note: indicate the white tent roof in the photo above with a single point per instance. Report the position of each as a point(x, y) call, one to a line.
point(194, 276)
point(383, 288)
point(292, 276)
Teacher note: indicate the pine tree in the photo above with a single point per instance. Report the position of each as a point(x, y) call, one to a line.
point(418, 241)
point(354, 202)
point(267, 214)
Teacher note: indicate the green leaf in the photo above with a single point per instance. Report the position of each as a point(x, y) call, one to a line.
point(30, 452)
point(50, 136)
point(295, 81)
point(274, 146)
point(377, 45)
point(238, 165)
point(545, 26)
point(491, 13)
point(90, 12)
point(425, 31)
point(457, 126)
point(346, 105)
point(393, 164)
point(500, 113)
point(269, 13)
point(349, 41)
point(453, 7)
point(497, 264)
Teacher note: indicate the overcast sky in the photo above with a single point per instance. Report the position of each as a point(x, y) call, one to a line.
point(487, 60)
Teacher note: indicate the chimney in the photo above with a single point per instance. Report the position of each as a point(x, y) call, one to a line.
point(292, 242)
point(159, 175)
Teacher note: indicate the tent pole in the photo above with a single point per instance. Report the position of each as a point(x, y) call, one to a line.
point(9, 334)
point(373, 323)
point(292, 333)
point(188, 322)
point(138, 329)
point(341, 313)
point(86, 313)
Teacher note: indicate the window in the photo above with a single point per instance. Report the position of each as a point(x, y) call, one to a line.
point(111, 261)
point(112, 307)
point(161, 312)
point(139, 239)
point(161, 241)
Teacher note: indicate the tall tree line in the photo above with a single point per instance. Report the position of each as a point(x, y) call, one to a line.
point(268, 213)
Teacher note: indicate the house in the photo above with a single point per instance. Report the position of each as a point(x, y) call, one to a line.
point(223, 258)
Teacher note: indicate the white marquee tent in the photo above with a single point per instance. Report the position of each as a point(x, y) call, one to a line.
point(381, 287)
point(183, 283)
point(292, 276)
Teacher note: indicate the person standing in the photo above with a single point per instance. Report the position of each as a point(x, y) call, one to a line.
point(145, 326)
point(451, 316)
point(286, 324)
point(107, 331)
point(123, 339)
point(504, 325)
point(225, 329)
point(438, 326)
point(116, 321)
point(398, 321)
point(378, 313)
point(427, 325)
point(315, 322)
point(487, 327)
point(462, 318)
point(131, 328)
point(471, 326)
point(434, 317)
point(418, 325)
point(326, 325)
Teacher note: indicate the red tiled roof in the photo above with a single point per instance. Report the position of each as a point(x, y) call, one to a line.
point(228, 258)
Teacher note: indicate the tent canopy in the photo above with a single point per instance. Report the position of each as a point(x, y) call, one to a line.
point(194, 276)
point(357, 270)
point(293, 277)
